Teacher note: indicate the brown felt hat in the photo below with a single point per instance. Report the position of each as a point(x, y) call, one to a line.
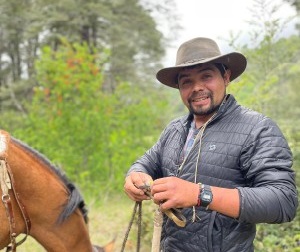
point(198, 51)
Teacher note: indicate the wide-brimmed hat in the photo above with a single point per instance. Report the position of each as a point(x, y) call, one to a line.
point(198, 51)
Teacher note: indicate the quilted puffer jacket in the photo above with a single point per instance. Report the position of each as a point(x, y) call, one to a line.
point(240, 149)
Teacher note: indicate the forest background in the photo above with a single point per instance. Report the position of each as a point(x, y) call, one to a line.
point(77, 84)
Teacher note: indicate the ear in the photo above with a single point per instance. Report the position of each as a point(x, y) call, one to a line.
point(227, 75)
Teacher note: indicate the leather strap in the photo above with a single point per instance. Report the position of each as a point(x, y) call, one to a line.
point(7, 183)
point(176, 215)
point(173, 213)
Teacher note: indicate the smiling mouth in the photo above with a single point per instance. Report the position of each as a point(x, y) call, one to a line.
point(197, 99)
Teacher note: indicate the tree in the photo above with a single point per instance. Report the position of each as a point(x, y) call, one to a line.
point(270, 86)
point(296, 5)
point(19, 26)
point(92, 134)
point(128, 28)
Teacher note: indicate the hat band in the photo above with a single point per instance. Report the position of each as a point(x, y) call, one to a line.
point(191, 61)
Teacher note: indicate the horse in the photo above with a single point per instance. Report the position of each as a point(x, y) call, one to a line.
point(40, 201)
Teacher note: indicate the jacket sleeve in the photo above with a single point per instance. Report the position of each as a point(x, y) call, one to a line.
point(266, 161)
point(150, 162)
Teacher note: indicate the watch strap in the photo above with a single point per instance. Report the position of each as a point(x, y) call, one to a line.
point(205, 195)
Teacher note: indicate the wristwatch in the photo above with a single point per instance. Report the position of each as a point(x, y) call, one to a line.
point(205, 195)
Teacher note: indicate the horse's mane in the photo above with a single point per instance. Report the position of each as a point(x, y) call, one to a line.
point(75, 198)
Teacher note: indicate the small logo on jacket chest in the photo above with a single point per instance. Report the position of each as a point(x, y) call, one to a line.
point(212, 147)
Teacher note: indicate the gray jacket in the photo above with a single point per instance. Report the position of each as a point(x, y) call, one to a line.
point(240, 149)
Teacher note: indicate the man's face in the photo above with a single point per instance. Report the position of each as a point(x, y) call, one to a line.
point(202, 89)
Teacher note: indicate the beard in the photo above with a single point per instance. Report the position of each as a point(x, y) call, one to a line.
point(199, 110)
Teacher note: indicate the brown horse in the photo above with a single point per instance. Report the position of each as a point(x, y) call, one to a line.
point(39, 200)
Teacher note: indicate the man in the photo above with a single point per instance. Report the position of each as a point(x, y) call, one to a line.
point(226, 166)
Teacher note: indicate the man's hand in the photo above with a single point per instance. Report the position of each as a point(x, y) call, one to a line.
point(173, 192)
point(134, 183)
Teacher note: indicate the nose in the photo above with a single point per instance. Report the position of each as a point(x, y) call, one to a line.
point(198, 86)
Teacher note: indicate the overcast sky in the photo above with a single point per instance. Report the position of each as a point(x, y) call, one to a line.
point(217, 18)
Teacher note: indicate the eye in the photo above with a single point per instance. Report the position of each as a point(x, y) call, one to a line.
point(185, 83)
point(206, 76)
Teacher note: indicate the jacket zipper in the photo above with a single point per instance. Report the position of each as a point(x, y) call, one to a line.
point(199, 137)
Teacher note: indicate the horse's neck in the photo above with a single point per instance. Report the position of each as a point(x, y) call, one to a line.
point(44, 195)
point(72, 235)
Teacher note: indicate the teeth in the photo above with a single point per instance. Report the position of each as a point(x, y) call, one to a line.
point(200, 99)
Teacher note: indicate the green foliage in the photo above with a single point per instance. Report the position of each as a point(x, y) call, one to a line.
point(94, 135)
point(273, 90)
point(279, 238)
point(128, 28)
point(93, 127)
point(270, 85)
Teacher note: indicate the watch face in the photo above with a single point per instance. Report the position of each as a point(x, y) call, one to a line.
point(207, 197)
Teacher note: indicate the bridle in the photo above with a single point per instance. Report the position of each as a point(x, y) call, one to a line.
point(173, 213)
point(7, 184)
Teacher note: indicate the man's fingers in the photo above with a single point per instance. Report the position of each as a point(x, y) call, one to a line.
point(139, 179)
point(137, 186)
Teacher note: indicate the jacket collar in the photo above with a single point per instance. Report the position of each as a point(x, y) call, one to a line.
point(226, 107)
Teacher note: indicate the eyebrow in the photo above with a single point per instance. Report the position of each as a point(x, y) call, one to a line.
point(180, 76)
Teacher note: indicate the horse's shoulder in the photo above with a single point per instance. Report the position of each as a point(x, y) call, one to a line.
point(4, 141)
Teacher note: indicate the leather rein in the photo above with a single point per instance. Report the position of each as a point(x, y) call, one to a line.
point(7, 184)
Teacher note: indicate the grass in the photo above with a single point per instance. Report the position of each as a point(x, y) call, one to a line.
point(109, 219)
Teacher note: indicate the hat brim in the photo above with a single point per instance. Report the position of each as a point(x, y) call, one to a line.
point(235, 61)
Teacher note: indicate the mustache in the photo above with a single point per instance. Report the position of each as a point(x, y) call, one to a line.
point(197, 95)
